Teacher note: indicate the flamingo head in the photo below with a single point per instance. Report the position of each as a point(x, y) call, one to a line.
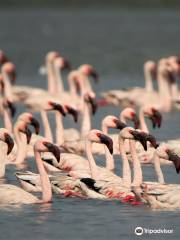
point(6, 137)
point(9, 105)
point(3, 58)
point(130, 114)
point(175, 63)
point(154, 115)
point(28, 118)
point(113, 122)
point(72, 111)
point(99, 137)
point(10, 69)
point(62, 63)
point(55, 106)
point(166, 152)
point(51, 56)
point(132, 134)
point(90, 98)
point(151, 67)
point(43, 145)
point(88, 70)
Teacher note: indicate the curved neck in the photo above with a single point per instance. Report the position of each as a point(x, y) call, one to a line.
point(46, 125)
point(126, 171)
point(158, 169)
point(143, 124)
point(72, 87)
point(109, 157)
point(59, 129)
point(59, 82)
point(45, 183)
point(148, 80)
point(122, 118)
point(92, 163)
point(138, 178)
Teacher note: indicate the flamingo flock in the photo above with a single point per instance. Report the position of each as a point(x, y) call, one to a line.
point(66, 158)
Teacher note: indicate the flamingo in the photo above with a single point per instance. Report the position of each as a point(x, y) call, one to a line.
point(116, 97)
point(11, 194)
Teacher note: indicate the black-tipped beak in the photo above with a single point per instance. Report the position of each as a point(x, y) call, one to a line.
point(28, 134)
point(150, 138)
point(67, 65)
point(12, 108)
point(94, 74)
point(139, 136)
point(9, 141)
point(156, 119)
point(107, 141)
point(36, 125)
point(93, 104)
point(175, 159)
point(53, 149)
point(73, 112)
point(136, 121)
point(119, 125)
point(59, 108)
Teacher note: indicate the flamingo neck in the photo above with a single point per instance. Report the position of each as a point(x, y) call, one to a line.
point(164, 92)
point(7, 87)
point(126, 171)
point(143, 124)
point(92, 163)
point(158, 169)
point(3, 160)
point(59, 129)
point(122, 118)
point(138, 177)
point(148, 80)
point(72, 87)
point(86, 121)
point(46, 125)
point(59, 81)
point(7, 120)
point(45, 183)
point(109, 157)
point(21, 148)
point(174, 90)
point(50, 76)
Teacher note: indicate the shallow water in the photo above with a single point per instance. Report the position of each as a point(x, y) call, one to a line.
point(116, 42)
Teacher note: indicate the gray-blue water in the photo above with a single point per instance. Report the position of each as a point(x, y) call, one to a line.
point(116, 42)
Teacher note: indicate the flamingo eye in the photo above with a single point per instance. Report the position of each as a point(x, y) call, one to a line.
point(98, 134)
point(132, 114)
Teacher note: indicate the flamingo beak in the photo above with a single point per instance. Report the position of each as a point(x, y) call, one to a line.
point(135, 119)
point(67, 65)
point(93, 104)
point(13, 75)
point(35, 124)
point(58, 108)
point(53, 149)
point(175, 159)
point(150, 138)
point(9, 141)
point(119, 125)
point(11, 107)
point(73, 112)
point(139, 136)
point(156, 119)
point(107, 141)
point(28, 135)
point(94, 74)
